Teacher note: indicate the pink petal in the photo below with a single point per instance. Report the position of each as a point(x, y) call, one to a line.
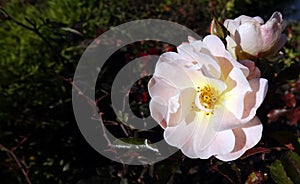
point(160, 87)
point(158, 109)
point(252, 131)
point(254, 98)
point(254, 72)
point(231, 26)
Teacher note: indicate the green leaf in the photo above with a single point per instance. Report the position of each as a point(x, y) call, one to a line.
point(278, 173)
point(291, 163)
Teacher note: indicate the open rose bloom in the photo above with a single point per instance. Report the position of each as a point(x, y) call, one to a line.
point(206, 101)
point(252, 38)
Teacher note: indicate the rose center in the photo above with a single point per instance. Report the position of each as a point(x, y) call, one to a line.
point(206, 99)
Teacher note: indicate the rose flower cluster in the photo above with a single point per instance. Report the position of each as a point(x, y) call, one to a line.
point(206, 95)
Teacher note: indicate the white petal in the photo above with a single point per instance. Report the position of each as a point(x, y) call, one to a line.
point(222, 144)
point(188, 148)
point(179, 135)
point(233, 99)
point(215, 45)
point(231, 46)
point(204, 133)
point(224, 119)
point(249, 38)
point(158, 109)
point(188, 52)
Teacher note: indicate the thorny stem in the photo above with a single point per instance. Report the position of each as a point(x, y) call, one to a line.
point(16, 159)
point(93, 104)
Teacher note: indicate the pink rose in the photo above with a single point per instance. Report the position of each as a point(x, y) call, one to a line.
point(206, 101)
point(251, 38)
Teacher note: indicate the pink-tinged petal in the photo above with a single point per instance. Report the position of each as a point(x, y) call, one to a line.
point(160, 87)
point(223, 143)
point(254, 71)
point(281, 43)
point(244, 19)
point(172, 72)
point(184, 112)
point(233, 98)
point(217, 48)
point(188, 148)
point(196, 45)
point(188, 52)
point(271, 35)
point(252, 132)
point(191, 39)
point(237, 64)
point(249, 38)
point(210, 67)
point(158, 109)
point(259, 19)
point(254, 98)
point(180, 134)
point(231, 26)
point(215, 45)
point(277, 16)
point(272, 52)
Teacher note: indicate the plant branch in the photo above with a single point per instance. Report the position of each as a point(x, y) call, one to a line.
point(16, 159)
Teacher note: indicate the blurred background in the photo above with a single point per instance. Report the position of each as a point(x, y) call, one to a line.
point(41, 42)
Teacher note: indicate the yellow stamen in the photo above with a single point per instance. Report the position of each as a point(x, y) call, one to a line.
point(207, 97)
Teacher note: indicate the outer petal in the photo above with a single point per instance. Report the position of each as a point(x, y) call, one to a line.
point(254, 71)
point(168, 67)
point(222, 144)
point(158, 109)
point(231, 25)
point(179, 135)
point(255, 98)
point(251, 135)
point(160, 87)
